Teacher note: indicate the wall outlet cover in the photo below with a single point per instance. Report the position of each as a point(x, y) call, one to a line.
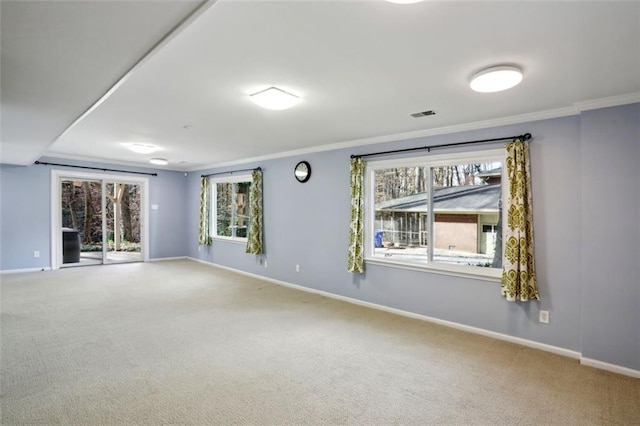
point(544, 317)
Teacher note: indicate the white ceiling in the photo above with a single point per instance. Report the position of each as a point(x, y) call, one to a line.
point(361, 68)
point(59, 57)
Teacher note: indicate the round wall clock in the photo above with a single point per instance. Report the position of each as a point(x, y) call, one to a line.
point(302, 172)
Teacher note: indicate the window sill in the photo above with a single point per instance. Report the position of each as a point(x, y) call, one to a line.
point(487, 274)
point(234, 240)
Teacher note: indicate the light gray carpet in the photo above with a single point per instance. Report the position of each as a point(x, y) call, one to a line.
point(184, 343)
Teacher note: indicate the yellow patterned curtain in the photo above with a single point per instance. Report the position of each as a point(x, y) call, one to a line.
point(254, 239)
point(518, 267)
point(355, 261)
point(204, 234)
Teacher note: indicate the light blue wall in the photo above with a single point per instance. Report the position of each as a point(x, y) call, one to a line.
point(25, 213)
point(25, 217)
point(610, 159)
point(586, 194)
point(307, 224)
point(168, 222)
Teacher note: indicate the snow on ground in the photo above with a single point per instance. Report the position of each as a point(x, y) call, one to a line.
point(419, 255)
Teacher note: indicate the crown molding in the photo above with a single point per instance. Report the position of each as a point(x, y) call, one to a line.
point(457, 128)
point(611, 101)
point(109, 161)
point(575, 109)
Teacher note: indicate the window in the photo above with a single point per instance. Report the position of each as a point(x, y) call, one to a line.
point(438, 212)
point(230, 203)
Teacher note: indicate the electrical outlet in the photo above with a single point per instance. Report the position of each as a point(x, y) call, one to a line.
point(265, 263)
point(544, 317)
point(297, 268)
point(36, 253)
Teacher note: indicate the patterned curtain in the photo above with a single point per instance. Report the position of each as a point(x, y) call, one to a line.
point(355, 262)
point(204, 233)
point(518, 272)
point(254, 238)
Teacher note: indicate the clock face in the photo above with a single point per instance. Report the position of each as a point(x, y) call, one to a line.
point(302, 172)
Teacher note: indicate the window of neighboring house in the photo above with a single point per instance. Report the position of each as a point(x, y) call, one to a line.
point(438, 212)
point(230, 207)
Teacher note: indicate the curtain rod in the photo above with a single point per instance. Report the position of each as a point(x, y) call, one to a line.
point(96, 168)
point(525, 137)
point(231, 171)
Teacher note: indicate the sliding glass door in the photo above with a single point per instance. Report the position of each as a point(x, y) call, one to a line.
point(101, 221)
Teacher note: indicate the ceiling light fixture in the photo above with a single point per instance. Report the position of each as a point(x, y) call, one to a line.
point(404, 1)
point(496, 79)
point(159, 161)
point(274, 99)
point(141, 148)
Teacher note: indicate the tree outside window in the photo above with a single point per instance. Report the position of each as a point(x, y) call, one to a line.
point(231, 207)
point(442, 210)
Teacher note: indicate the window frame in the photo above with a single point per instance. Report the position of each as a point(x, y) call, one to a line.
point(429, 161)
point(213, 225)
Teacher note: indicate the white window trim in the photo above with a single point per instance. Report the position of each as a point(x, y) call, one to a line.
point(489, 155)
point(214, 212)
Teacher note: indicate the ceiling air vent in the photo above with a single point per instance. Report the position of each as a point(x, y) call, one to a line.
point(423, 114)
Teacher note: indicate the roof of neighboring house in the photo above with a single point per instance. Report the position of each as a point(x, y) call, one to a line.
point(462, 198)
point(493, 172)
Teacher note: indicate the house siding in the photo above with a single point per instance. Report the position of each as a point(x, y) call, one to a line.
point(456, 232)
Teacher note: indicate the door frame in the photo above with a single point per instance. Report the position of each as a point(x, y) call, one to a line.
point(58, 175)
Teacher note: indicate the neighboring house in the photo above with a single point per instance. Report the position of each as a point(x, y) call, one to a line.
point(466, 217)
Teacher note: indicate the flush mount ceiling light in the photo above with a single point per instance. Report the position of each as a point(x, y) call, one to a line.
point(159, 161)
point(404, 1)
point(495, 79)
point(274, 98)
point(141, 148)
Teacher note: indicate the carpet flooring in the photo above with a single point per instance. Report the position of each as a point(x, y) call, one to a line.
point(183, 343)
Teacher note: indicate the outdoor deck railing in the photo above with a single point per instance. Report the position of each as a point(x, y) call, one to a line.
point(409, 238)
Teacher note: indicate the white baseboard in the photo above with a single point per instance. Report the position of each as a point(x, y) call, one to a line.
point(164, 259)
point(20, 271)
point(610, 367)
point(48, 268)
point(487, 333)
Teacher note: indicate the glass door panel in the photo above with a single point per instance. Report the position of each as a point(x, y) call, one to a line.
point(122, 206)
point(81, 222)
